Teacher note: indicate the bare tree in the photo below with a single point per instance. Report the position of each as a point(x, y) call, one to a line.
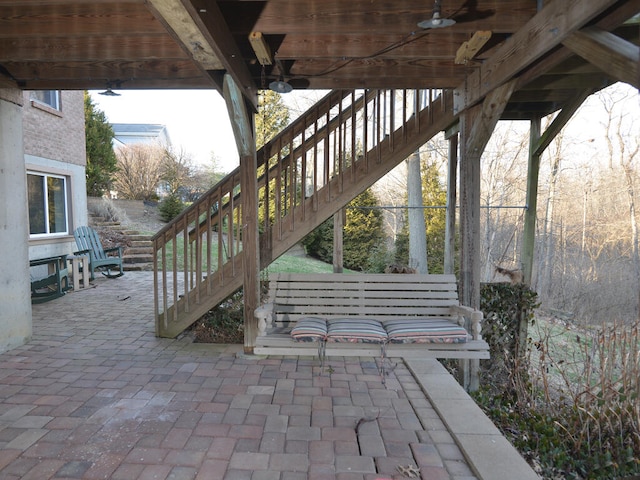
point(140, 170)
point(623, 144)
point(177, 170)
point(503, 186)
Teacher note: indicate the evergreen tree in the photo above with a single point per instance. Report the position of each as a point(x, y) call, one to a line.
point(433, 194)
point(272, 117)
point(363, 234)
point(101, 159)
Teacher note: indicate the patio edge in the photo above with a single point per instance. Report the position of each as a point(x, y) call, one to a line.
point(490, 455)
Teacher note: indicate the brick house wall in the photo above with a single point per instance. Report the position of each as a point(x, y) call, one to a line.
point(54, 144)
point(55, 134)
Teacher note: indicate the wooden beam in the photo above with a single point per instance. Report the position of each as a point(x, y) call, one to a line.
point(558, 123)
point(205, 35)
point(295, 46)
point(260, 48)
point(241, 124)
point(612, 54)
point(622, 12)
point(30, 19)
point(174, 14)
point(97, 49)
point(470, 48)
point(7, 82)
point(401, 18)
point(492, 108)
point(548, 29)
point(208, 17)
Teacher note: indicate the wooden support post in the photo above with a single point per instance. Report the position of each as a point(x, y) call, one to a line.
point(476, 126)
point(245, 140)
point(469, 224)
point(529, 234)
point(452, 198)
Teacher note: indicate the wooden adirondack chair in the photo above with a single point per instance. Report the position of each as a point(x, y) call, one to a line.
point(103, 260)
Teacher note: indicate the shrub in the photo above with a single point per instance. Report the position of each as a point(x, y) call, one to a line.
point(224, 323)
point(170, 207)
point(571, 403)
point(108, 210)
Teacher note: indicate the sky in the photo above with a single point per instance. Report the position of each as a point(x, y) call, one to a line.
point(196, 120)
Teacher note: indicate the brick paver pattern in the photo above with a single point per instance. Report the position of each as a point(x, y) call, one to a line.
point(95, 395)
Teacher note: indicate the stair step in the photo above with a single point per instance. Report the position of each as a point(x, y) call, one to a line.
point(138, 258)
point(106, 224)
point(137, 267)
point(139, 238)
point(138, 251)
point(140, 244)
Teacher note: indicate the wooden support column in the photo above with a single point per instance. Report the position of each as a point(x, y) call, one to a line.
point(452, 198)
point(529, 233)
point(476, 126)
point(245, 140)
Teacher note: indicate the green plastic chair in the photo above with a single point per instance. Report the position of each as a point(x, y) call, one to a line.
point(100, 259)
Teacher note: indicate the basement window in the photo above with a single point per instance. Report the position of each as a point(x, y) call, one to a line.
point(51, 98)
point(48, 211)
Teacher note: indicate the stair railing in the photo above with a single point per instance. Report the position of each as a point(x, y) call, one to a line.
point(330, 148)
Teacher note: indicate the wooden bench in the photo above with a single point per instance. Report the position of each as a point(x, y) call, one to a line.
point(420, 316)
point(54, 283)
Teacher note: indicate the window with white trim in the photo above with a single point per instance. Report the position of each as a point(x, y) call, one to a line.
point(48, 212)
point(48, 97)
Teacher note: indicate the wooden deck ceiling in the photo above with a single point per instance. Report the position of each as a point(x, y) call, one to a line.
point(320, 44)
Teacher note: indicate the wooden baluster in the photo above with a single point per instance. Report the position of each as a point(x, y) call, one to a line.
point(354, 154)
point(315, 161)
point(303, 172)
point(277, 203)
point(327, 156)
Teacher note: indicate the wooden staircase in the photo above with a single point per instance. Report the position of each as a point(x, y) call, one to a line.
point(316, 166)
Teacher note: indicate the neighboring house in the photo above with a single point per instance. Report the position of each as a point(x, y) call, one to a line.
point(42, 190)
point(134, 133)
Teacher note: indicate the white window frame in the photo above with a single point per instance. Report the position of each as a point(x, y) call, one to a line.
point(65, 196)
point(51, 98)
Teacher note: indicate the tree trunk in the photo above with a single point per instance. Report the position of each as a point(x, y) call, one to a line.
point(546, 272)
point(417, 230)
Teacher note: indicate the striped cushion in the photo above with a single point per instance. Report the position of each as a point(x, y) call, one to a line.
point(309, 329)
point(356, 330)
point(436, 330)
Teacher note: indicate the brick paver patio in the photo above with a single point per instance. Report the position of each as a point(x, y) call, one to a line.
point(95, 395)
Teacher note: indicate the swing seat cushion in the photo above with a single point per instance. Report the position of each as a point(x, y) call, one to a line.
point(310, 329)
point(356, 330)
point(432, 330)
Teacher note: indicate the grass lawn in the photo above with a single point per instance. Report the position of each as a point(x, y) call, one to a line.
point(288, 263)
